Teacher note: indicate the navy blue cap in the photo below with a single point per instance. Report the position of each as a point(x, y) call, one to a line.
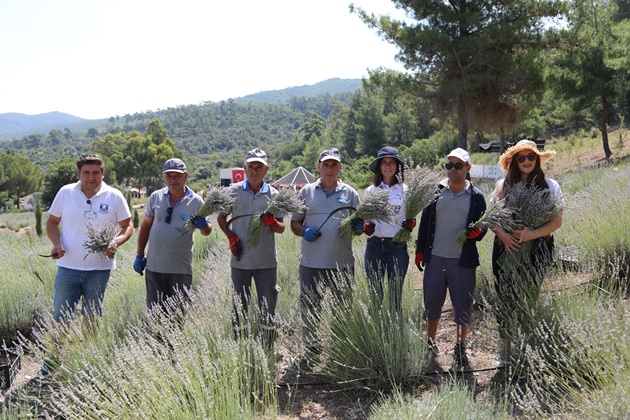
point(386, 151)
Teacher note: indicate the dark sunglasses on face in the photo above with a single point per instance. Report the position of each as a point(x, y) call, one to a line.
point(169, 212)
point(521, 158)
point(450, 165)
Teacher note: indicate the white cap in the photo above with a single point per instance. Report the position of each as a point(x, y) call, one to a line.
point(460, 154)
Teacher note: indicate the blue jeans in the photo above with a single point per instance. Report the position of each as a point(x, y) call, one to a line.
point(385, 257)
point(71, 285)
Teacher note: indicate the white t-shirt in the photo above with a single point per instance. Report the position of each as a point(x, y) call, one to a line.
point(71, 205)
point(554, 188)
point(396, 202)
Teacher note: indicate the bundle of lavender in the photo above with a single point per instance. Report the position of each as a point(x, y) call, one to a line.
point(498, 214)
point(99, 238)
point(374, 207)
point(421, 185)
point(533, 207)
point(218, 199)
point(285, 202)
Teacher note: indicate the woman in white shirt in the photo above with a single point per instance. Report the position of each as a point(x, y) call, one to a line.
point(522, 164)
point(384, 257)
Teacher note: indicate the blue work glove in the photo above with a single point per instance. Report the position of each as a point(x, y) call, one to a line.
point(139, 263)
point(358, 225)
point(199, 222)
point(310, 234)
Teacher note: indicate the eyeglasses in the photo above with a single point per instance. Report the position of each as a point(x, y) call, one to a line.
point(521, 158)
point(90, 156)
point(169, 212)
point(450, 165)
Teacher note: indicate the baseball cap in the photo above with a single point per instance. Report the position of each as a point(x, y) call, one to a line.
point(329, 154)
point(174, 165)
point(460, 154)
point(256, 155)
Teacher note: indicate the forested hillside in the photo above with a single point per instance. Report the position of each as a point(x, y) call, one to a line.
point(498, 73)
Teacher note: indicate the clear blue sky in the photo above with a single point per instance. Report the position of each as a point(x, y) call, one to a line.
point(101, 58)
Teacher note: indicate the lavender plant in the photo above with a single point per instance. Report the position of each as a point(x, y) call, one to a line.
point(285, 203)
point(99, 238)
point(421, 185)
point(218, 199)
point(374, 207)
point(532, 207)
point(497, 214)
point(366, 342)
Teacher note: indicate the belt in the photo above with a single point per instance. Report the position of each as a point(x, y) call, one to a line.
point(378, 238)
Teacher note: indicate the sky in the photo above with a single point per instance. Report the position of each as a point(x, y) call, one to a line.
point(102, 58)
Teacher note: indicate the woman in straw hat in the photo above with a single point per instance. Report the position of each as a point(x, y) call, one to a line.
point(522, 164)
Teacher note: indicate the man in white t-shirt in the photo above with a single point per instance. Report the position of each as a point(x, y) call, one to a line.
point(80, 273)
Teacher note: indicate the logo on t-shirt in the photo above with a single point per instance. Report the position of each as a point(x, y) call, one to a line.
point(104, 208)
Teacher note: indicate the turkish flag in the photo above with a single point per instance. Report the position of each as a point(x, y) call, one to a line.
point(238, 175)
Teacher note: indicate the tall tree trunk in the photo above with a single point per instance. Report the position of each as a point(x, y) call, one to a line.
point(605, 127)
point(462, 124)
point(502, 139)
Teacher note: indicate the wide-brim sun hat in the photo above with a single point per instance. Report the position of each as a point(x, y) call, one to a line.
point(386, 151)
point(523, 145)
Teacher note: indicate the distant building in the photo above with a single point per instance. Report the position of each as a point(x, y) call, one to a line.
point(137, 193)
point(28, 203)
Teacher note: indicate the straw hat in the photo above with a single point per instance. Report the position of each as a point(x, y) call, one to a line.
point(506, 158)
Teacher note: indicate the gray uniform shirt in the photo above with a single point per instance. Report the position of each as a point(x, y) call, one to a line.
point(328, 251)
point(170, 244)
point(263, 255)
point(451, 214)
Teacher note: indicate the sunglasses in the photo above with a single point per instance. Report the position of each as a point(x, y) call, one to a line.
point(450, 165)
point(521, 158)
point(169, 212)
point(90, 156)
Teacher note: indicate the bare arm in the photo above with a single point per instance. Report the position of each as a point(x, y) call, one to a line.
point(527, 234)
point(278, 227)
point(126, 230)
point(297, 226)
point(143, 235)
point(52, 230)
point(222, 222)
point(206, 231)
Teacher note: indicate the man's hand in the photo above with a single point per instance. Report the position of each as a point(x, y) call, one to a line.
point(310, 234)
point(420, 261)
point(57, 252)
point(139, 263)
point(199, 222)
point(358, 225)
point(368, 228)
point(472, 233)
point(268, 218)
point(409, 224)
point(235, 244)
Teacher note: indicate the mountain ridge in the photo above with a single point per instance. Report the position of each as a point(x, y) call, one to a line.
point(15, 125)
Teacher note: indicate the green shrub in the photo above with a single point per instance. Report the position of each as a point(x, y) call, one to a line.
point(451, 401)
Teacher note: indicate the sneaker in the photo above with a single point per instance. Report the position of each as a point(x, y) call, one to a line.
point(48, 368)
point(461, 361)
point(432, 350)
